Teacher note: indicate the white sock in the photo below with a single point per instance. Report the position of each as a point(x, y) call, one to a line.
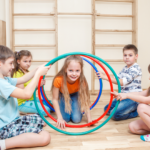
point(2, 145)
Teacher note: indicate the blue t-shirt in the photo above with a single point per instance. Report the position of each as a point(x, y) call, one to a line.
point(8, 105)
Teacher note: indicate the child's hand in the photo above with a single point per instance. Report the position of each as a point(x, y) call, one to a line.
point(43, 82)
point(101, 75)
point(119, 96)
point(42, 70)
point(61, 123)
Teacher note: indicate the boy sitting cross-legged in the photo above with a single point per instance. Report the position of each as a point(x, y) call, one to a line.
point(130, 80)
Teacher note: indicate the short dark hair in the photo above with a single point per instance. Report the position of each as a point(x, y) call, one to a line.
point(129, 47)
point(5, 53)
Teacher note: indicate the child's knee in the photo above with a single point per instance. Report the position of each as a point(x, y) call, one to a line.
point(116, 117)
point(46, 138)
point(131, 127)
point(76, 118)
point(66, 118)
point(140, 108)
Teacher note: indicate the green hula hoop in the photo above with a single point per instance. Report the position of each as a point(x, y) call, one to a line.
point(99, 126)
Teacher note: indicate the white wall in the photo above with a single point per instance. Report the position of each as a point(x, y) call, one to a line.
point(144, 39)
point(2, 10)
point(74, 32)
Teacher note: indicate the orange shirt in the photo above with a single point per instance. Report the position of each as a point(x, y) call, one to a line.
point(72, 88)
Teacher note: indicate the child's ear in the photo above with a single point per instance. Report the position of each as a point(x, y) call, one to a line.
point(18, 61)
point(1, 63)
point(136, 56)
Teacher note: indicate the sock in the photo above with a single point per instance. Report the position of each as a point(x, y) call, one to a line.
point(2, 145)
point(145, 137)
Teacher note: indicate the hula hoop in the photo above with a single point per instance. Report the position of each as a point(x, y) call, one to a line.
point(99, 126)
point(95, 102)
point(83, 125)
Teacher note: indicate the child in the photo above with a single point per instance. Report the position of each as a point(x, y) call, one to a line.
point(18, 131)
point(70, 92)
point(130, 80)
point(23, 60)
point(141, 126)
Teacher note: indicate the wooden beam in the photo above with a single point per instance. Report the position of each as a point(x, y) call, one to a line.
point(40, 60)
point(108, 30)
point(33, 14)
point(56, 33)
point(11, 17)
point(2, 33)
point(134, 22)
point(93, 44)
point(34, 45)
point(34, 30)
point(112, 15)
point(109, 45)
point(124, 1)
point(65, 13)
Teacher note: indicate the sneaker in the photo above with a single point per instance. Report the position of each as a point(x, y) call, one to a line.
point(145, 137)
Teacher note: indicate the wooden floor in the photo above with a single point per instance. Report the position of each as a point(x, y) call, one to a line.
point(112, 136)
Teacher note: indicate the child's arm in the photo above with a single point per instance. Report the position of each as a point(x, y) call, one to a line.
point(60, 121)
point(21, 86)
point(28, 76)
point(140, 97)
point(104, 77)
point(27, 92)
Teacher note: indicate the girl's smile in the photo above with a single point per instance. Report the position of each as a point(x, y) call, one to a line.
point(73, 71)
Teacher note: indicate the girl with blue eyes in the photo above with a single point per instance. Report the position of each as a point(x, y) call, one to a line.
point(22, 64)
point(70, 92)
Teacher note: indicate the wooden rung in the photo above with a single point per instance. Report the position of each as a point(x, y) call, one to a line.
point(112, 15)
point(40, 60)
point(107, 30)
point(125, 1)
point(36, 45)
point(74, 13)
point(113, 60)
point(50, 76)
point(33, 14)
point(109, 45)
point(34, 29)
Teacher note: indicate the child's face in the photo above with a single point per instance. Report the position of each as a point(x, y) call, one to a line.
point(7, 67)
point(25, 62)
point(129, 57)
point(73, 71)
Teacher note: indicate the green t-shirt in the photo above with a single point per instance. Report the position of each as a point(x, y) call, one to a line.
point(19, 74)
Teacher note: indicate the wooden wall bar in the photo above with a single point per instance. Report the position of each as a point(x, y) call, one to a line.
point(2, 32)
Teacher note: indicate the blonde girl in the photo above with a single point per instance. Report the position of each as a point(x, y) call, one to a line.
point(23, 61)
point(70, 92)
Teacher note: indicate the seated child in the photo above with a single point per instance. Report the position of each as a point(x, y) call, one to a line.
point(70, 92)
point(141, 126)
point(23, 60)
point(130, 80)
point(18, 131)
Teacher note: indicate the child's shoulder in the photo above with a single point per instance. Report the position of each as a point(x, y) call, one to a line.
point(135, 66)
point(18, 74)
point(59, 78)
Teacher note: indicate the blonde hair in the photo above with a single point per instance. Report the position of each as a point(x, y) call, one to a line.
point(84, 96)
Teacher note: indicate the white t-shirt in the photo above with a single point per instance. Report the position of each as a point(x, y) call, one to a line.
point(131, 79)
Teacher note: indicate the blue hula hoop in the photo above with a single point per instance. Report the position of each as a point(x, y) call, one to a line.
point(99, 95)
